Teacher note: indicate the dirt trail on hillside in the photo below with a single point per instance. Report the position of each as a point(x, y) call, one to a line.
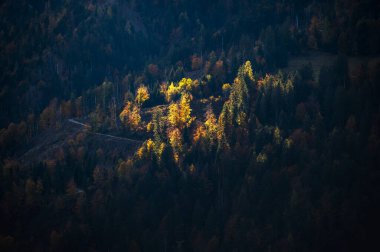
point(45, 145)
point(105, 135)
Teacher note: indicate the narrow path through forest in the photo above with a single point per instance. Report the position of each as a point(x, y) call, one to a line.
point(105, 135)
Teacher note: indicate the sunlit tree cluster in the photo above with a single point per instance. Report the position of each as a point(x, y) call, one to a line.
point(185, 85)
point(130, 116)
point(179, 115)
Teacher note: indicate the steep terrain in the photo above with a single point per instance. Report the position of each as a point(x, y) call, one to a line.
point(189, 125)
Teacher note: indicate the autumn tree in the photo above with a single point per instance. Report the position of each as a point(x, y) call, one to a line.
point(142, 95)
point(130, 116)
point(176, 142)
point(218, 70)
point(185, 85)
point(179, 118)
point(179, 115)
point(199, 133)
point(66, 109)
point(226, 87)
point(212, 126)
point(145, 150)
point(48, 115)
point(206, 134)
point(153, 71)
point(196, 62)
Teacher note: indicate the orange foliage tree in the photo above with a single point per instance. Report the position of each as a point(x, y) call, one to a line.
point(130, 116)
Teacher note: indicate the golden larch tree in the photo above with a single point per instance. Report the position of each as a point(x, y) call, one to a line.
point(142, 95)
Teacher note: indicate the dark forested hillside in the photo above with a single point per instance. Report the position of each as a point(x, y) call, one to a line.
point(175, 125)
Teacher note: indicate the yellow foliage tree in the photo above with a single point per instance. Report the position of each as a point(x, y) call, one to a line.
point(211, 126)
point(171, 92)
point(180, 113)
point(185, 112)
point(135, 118)
point(176, 142)
point(125, 112)
point(226, 88)
point(130, 116)
point(149, 127)
point(146, 149)
point(207, 134)
point(142, 95)
point(184, 85)
point(149, 145)
point(199, 133)
point(173, 116)
point(248, 70)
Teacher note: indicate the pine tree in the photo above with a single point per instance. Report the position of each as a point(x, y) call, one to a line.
point(239, 96)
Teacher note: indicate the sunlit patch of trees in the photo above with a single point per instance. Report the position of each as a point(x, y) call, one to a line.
point(130, 116)
point(227, 154)
point(185, 85)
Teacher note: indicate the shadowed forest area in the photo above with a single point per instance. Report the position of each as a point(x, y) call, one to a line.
point(178, 125)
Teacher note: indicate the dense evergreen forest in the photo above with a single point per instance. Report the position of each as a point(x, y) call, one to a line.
point(179, 125)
